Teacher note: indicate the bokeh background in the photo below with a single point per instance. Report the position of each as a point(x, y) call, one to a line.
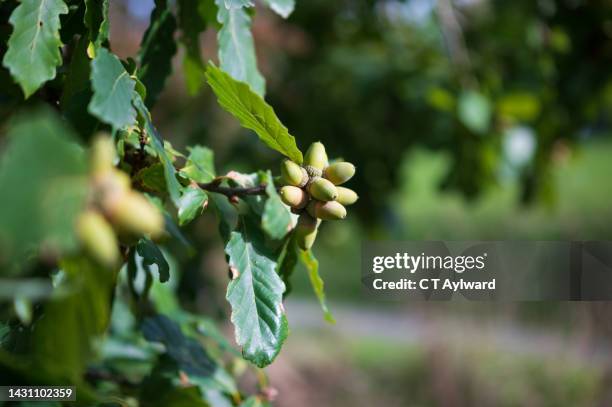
point(466, 119)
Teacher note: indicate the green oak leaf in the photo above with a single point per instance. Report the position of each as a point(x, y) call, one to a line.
point(225, 213)
point(113, 91)
point(97, 22)
point(275, 219)
point(77, 91)
point(192, 22)
point(234, 4)
point(252, 112)
point(255, 295)
point(288, 261)
point(200, 165)
point(191, 204)
point(311, 264)
point(186, 352)
point(44, 183)
point(33, 49)
point(63, 340)
point(151, 255)
point(237, 48)
point(172, 184)
point(152, 178)
point(156, 51)
point(281, 7)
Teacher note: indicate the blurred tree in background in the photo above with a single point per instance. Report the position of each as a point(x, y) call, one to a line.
point(502, 86)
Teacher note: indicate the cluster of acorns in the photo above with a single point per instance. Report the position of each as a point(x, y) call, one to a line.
point(114, 211)
point(312, 191)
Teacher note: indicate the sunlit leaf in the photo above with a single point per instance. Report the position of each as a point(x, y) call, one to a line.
point(275, 219)
point(311, 264)
point(237, 48)
point(252, 112)
point(281, 7)
point(191, 204)
point(113, 91)
point(255, 294)
point(233, 4)
point(33, 49)
point(200, 165)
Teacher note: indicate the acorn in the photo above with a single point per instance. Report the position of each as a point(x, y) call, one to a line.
point(113, 182)
point(331, 210)
point(315, 157)
point(102, 154)
point(306, 231)
point(346, 196)
point(294, 197)
point(293, 174)
point(322, 189)
point(98, 238)
point(133, 213)
point(340, 172)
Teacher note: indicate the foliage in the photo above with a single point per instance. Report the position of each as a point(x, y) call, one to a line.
point(77, 315)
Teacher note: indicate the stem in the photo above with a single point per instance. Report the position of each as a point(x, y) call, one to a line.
point(231, 192)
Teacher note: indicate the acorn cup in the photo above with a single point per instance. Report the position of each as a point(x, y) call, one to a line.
point(293, 174)
point(315, 159)
point(340, 172)
point(98, 238)
point(346, 196)
point(306, 231)
point(294, 197)
point(322, 189)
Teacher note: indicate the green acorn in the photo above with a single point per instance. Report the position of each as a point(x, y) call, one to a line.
point(331, 210)
point(315, 157)
point(98, 238)
point(306, 231)
point(322, 189)
point(102, 154)
point(293, 174)
point(133, 213)
point(294, 197)
point(340, 172)
point(346, 196)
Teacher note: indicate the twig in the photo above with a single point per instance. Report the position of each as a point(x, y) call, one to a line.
point(231, 192)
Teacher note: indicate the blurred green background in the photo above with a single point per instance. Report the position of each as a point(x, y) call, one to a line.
point(467, 120)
